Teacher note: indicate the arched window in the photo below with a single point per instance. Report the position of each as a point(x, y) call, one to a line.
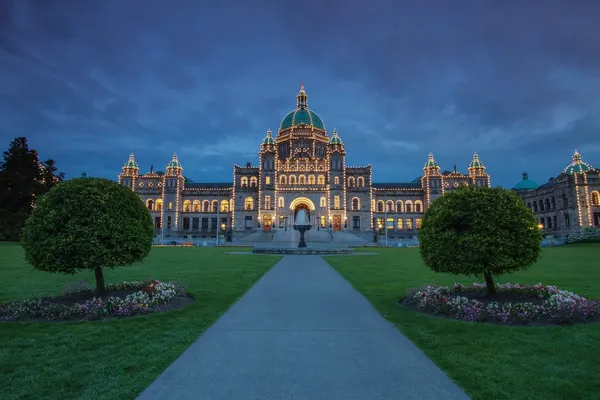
point(214, 205)
point(281, 202)
point(336, 180)
point(150, 204)
point(224, 205)
point(187, 206)
point(311, 179)
point(418, 206)
point(321, 179)
point(159, 205)
point(282, 180)
point(292, 179)
point(196, 206)
point(205, 206)
point(389, 206)
point(355, 203)
point(244, 181)
point(380, 206)
point(408, 206)
point(323, 202)
point(301, 180)
point(595, 198)
point(361, 181)
point(351, 182)
point(253, 181)
point(249, 203)
point(399, 206)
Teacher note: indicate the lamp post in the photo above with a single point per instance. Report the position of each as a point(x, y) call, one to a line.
point(162, 224)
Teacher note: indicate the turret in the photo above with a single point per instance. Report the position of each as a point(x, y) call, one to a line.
point(130, 172)
point(174, 167)
point(131, 167)
point(477, 173)
point(432, 180)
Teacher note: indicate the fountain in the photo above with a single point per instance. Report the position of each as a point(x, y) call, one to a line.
point(302, 224)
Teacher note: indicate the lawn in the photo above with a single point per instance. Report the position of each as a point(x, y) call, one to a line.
point(493, 361)
point(114, 359)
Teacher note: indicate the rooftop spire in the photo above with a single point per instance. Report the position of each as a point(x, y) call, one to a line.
point(576, 157)
point(302, 98)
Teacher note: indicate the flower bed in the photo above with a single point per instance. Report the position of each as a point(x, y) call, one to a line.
point(514, 304)
point(122, 299)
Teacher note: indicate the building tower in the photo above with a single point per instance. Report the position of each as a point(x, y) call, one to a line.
point(479, 177)
point(432, 181)
point(337, 182)
point(173, 183)
point(130, 172)
point(266, 182)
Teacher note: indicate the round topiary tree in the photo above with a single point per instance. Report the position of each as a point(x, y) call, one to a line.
point(87, 223)
point(480, 232)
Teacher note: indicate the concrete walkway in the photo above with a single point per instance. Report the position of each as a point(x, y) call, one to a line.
point(302, 332)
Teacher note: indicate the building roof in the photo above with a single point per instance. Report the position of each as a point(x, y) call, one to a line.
point(302, 116)
point(526, 183)
point(402, 185)
point(209, 185)
point(335, 139)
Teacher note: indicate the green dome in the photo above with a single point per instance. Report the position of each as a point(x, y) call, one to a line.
point(431, 163)
point(335, 139)
point(174, 163)
point(269, 139)
point(302, 116)
point(526, 184)
point(578, 166)
point(476, 163)
point(131, 163)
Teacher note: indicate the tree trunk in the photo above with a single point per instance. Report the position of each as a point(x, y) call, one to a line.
point(489, 282)
point(100, 289)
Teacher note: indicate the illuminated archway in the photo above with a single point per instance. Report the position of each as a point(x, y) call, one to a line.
point(298, 201)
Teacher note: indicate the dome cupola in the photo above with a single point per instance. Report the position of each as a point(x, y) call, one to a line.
point(131, 166)
point(302, 116)
point(335, 139)
point(269, 139)
point(174, 167)
point(578, 166)
point(526, 183)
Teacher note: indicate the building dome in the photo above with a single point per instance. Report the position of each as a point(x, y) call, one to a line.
point(578, 166)
point(335, 139)
point(302, 116)
point(526, 184)
point(269, 138)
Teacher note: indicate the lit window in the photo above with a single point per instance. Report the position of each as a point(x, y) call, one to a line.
point(268, 202)
point(224, 205)
point(336, 180)
point(409, 223)
point(400, 223)
point(281, 202)
point(170, 206)
point(249, 203)
point(323, 202)
point(336, 202)
point(356, 203)
point(321, 179)
point(267, 180)
point(418, 222)
point(187, 206)
point(390, 223)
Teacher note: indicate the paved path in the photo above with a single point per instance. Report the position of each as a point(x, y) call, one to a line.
point(302, 333)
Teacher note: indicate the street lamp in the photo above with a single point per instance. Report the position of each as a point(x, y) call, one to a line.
point(385, 218)
point(218, 220)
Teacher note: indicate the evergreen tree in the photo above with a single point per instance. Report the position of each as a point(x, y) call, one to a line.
point(22, 179)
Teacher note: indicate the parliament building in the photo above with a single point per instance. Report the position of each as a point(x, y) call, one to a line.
point(302, 166)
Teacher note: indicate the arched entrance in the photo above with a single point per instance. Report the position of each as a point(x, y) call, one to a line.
point(267, 223)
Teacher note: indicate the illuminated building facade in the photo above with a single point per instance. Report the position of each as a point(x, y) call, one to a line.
point(565, 204)
point(300, 167)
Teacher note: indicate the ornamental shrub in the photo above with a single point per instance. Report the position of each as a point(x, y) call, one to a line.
point(87, 224)
point(483, 232)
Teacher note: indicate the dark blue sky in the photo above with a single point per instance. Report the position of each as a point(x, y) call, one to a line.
point(90, 81)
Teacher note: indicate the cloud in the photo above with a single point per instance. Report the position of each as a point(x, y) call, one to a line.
point(89, 82)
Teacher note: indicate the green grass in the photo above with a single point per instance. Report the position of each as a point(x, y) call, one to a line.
point(493, 361)
point(114, 359)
